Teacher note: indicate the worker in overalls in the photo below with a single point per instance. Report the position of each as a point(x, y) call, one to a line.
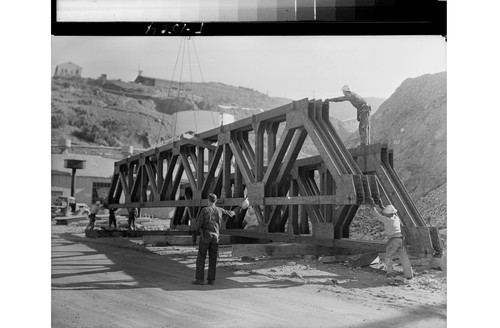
point(363, 114)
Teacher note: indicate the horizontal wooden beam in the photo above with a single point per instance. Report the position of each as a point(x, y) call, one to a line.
point(308, 200)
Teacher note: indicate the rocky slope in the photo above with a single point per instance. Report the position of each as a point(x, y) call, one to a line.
point(413, 122)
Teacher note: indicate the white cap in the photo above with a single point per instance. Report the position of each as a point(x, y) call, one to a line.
point(346, 88)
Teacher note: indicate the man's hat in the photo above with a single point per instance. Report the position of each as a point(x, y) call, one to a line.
point(346, 88)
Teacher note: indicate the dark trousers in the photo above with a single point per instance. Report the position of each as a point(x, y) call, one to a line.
point(212, 246)
point(112, 220)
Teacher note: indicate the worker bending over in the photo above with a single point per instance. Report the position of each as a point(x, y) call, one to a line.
point(363, 114)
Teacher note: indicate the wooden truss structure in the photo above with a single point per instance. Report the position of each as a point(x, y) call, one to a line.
point(260, 158)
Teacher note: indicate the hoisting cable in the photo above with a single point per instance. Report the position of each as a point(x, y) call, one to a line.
point(204, 85)
point(192, 96)
point(168, 94)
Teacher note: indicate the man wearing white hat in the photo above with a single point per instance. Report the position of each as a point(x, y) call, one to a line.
point(395, 245)
point(363, 114)
point(208, 225)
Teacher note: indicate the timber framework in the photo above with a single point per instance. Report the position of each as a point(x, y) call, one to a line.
point(311, 199)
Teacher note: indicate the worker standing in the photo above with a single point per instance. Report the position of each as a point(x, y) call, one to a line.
point(94, 209)
point(363, 112)
point(132, 214)
point(208, 226)
point(112, 218)
point(395, 245)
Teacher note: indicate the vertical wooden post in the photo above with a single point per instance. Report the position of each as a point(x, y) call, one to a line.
point(294, 209)
point(259, 151)
point(226, 182)
point(304, 220)
point(200, 171)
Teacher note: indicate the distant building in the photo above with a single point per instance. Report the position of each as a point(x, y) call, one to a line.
point(91, 183)
point(152, 81)
point(68, 70)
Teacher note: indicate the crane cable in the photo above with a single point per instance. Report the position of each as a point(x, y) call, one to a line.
point(204, 84)
point(168, 94)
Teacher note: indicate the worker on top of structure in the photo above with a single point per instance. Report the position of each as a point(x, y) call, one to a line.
point(395, 245)
point(94, 209)
point(363, 114)
point(208, 225)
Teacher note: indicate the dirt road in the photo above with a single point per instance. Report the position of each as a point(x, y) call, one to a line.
point(111, 282)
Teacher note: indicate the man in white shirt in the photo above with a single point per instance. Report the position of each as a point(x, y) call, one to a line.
point(395, 245)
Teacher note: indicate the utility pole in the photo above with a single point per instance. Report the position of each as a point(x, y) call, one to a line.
point(313, 91)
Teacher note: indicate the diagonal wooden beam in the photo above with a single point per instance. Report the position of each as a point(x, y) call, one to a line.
point(123, 182)
point(291, 156)
point(188, 170)
point(331, 161)
point(241, 161)
point(312, 210)
point(175, 185)
point(168, 180)
point(215, 159)
point(279, 154)
point(135, 186)
point(112, 188)
point(248, 150)
point(152, 180)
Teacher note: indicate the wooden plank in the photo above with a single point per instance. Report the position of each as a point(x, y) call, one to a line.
point(360, 245)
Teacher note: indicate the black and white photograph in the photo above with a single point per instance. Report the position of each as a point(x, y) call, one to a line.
point(254, 178)
point(311, 171)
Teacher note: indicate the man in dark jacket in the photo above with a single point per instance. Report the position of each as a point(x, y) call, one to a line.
point(363, 114)
point(208, 226)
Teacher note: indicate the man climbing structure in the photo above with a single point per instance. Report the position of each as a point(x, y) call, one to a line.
point(363, 114)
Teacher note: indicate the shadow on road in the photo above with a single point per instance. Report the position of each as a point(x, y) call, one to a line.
point(117, 266)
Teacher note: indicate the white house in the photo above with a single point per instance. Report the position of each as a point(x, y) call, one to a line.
point(68, 69)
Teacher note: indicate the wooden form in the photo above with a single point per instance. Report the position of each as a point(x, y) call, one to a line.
point(258, 158)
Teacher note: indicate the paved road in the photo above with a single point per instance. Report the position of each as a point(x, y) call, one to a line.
point(104, 283)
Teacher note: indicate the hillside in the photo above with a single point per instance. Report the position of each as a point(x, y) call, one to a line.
point(115, 113)
point(413, 122)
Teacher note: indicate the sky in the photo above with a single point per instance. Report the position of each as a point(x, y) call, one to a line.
point(282, 66)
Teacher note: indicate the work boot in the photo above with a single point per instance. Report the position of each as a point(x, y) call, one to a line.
point(210, 282)
point(197, 282)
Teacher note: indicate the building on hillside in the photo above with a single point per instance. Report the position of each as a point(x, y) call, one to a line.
point(68, 70)
point(91, 183)
point(152, 81)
